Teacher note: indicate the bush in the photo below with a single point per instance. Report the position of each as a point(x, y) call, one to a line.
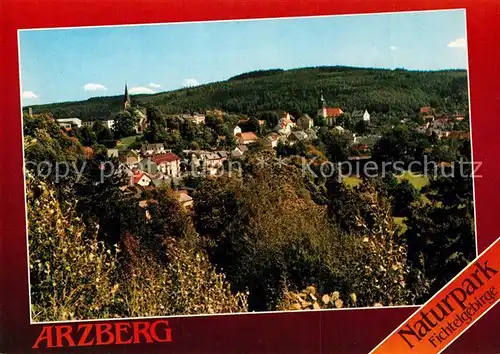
point(77, 277)
point(71, 277)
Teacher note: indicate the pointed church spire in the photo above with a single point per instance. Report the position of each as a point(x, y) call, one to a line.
point(126, 98)
point(321, 100)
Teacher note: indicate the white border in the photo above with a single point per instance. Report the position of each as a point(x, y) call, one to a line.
point(216, 21)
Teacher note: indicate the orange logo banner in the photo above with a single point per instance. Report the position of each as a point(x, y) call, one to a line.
point(451, 311)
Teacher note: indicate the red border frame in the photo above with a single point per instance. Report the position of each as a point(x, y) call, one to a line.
point(355, 331)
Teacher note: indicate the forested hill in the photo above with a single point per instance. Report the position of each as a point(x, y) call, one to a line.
point(295, 90)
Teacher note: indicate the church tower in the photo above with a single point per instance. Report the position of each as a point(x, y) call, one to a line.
point(322, 106)
point(126, 98)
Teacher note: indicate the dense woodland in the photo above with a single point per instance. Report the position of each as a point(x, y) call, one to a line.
point(265, 232)
point(296, 91)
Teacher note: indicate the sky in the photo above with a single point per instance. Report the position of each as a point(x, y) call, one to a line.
point(60, 65)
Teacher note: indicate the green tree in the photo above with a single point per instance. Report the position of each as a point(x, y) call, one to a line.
point(336, 145)
point(125, 124)
point(401, 144)
point(403, 194)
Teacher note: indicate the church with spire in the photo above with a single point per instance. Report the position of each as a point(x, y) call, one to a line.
point(329, 113)
point(126, 98)
point(138, 112)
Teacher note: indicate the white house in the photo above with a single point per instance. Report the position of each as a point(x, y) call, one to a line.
point(168, 163)
point(107, 123)
point(151, 149)
point(112, 152)
point(236, 131)
point(272, 139)
point(69, 122)
point(110, 123)
point(360, 115)
point(198, 118)
point(211, 162)
point(141, 178)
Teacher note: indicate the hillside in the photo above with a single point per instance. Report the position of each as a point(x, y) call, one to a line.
point(295, 90)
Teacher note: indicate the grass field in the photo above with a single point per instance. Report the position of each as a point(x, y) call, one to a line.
point(418, 181)
point(125, 142)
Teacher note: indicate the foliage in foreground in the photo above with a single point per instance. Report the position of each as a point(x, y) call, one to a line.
point(77, 277)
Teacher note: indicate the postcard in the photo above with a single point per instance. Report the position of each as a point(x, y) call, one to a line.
point(288, 174)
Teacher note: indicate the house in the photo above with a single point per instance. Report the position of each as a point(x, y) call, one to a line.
point(285, 123)
point(223, 155)
point(297, 136)
point(168, 163)
point(69, 122)
point(211, 162)
point(360, 115)
point(147, 165)
point(272, 139)
point(247, 138)
point(239, 151)
point(184, 199)
point(130, 159)
point(112, 152)
point(305, 122)
point(311, 133)
point(140, 178)
point(151, 149)
point(109, 123)
point(197, 118)
point(124, 170)
point(236, 131)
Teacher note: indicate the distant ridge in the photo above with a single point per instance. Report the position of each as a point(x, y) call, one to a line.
point(293, 90)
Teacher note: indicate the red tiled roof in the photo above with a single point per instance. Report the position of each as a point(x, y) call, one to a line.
point(137, 176)
point(333, 112)
point(248, 136)
point(425, 109)
point(166, 157)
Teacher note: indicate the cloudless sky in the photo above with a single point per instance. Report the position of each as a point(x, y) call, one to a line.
point(57, 64)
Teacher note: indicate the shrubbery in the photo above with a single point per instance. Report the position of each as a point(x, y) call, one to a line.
point(77, 277)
